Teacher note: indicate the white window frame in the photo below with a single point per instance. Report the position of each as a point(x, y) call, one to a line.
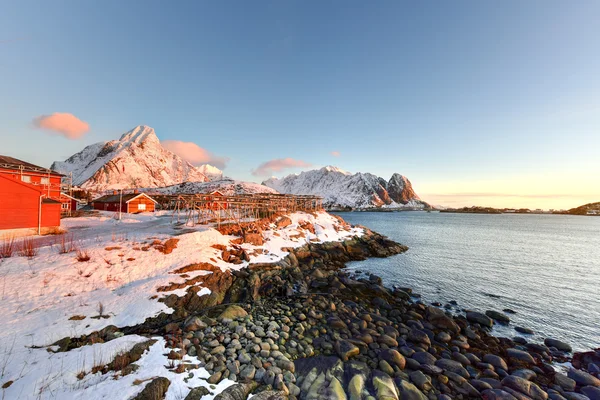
point(64, 206)
point(26, 178)
point(45, 180)
point(142, 207)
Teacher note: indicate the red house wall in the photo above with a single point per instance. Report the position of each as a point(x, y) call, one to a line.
point(19, 206)
point(52, 190)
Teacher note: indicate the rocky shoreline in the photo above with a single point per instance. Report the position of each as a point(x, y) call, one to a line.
point(305, 328)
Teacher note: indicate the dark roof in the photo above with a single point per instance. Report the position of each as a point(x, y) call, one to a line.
point(15, 162)
point(114, 198)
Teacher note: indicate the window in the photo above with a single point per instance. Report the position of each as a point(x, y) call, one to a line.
point(26, 178)
point(142, 207)
point(45, 181)
point(65, 206)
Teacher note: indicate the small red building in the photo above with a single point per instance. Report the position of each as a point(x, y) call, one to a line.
point(68, 203)
point(29, 196)
point(127, 202)
point(218, 200)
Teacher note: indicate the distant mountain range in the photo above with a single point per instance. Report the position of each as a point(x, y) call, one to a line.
point(136, 160)
point(343, 190)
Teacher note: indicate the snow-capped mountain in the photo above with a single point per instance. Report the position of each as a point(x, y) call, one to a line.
point(226, 186)
point(341, 189)
point(135, 160)
point(211, 172)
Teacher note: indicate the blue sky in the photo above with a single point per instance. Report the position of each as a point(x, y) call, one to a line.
point(476, 102)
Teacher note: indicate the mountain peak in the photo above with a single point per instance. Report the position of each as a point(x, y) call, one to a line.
point(341, 189)
point(331, 168)
point(139, 134)
point(136, 160)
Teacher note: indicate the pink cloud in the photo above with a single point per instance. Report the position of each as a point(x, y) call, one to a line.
point(267, 168)
point(335, 153)
point(194, 154)
point(64, 124)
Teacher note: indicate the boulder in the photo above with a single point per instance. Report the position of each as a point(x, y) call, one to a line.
point(498, 316)
point(194, 323)
point(496, 361)
point(524, 330)
point(452, 366)
point(524, 386)
point(564, 382)
point(592, 392)
point(583, 378)
point(384, 386)
point(197, 393)
point(233, 312)
point(479, 318)
point(345, 349)
point(408, 391)
point(520, 355)
point(393, 357)
point(418, 336)
point(239, 391)
point(562, 346)
point(154, 390)
point(497, 394)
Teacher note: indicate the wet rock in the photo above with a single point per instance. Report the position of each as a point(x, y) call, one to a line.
point(422, 381)
point(424, 357)
point(452, 366)
point(498, 316)
point(497, 394)
point(524, 386)
point(524, 330)
point(388, 341)
point(562, 346)
point(564, 382)
point(479, 318)
point(520, 355)
point(592, 392)
point(525, 374)
point(496, 361)
point(154, 390)
point(418, 336)
point(583, 378)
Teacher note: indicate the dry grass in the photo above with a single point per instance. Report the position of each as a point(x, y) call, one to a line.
point(56, 230)
point(7, 247)
point(66, 244)
point(28, 248)
point(82, 255)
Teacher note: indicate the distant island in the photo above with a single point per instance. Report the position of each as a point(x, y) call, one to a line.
point(592, 209)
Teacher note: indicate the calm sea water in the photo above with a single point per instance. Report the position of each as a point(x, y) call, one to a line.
point(545, 267)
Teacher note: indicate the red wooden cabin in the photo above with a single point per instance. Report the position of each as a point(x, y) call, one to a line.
point(220, 204)
point(129, 202)
point(29, 195)
point(68, 203)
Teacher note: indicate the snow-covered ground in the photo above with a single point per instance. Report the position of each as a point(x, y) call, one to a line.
point(40, 295)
